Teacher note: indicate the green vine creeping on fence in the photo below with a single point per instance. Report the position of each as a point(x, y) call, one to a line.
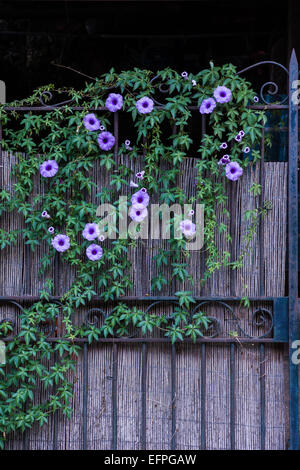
point(66, 137)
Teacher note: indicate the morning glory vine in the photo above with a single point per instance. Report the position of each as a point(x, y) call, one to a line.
point(62, 146)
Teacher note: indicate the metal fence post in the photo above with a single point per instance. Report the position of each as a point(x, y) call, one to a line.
point(293, 251)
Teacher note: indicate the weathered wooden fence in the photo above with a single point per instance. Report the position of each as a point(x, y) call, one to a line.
point(220, 393)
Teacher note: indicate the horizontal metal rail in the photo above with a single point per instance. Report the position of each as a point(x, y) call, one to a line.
point(156, 340)
point(146, 298)
point(101, 108)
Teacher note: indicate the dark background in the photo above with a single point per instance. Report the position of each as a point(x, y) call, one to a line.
point(93, 36)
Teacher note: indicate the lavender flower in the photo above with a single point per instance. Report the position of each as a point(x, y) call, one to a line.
point(222, 94)
point(106, 140)
point(133, 184)
point(127, 145)
point(101, 238)
point(256, 99)
point(61, 242)
point(91, 123)
point(233, 171)
point(94, 252)
point(140, 175)
point(45, 214)
point(191, 213)
point(49, 168)
point(242, 133)
point(102, 128)
point(238, 138)
point(138, 212)
point(184, 75)
point(90, 231)
point(207, 106)
point(140, 198)
point(187, 228)
point(223, 145)
point(114, 102)
point(224, 160)
point(51, 229)
point(144, 190)
point(246, 150)
point(144, 105)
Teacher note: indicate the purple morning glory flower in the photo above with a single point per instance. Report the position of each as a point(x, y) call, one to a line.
point(256, 99)
point(191, 213)
point(184, 75)
point(222, 94)
point(144, 105)
point(91, 123)
point(133, 184)
point(207, 106)
point(233, 171)
point(144, 190)
point(127, 144)
point(106, 140)
point(114, 102)
point(140, 198)
point(194, 83)
point(61, 242)
point(45, 214)
point(90, 231)
point(223, 145)
point(101, 238)
point(49, 168)
point(224, 160)
point(140, 175)
point(138, 212)
point(246, 150)
point(102, 128)
point(238, 138)
point(187, 228)
point(94, 252)
point(51, 229)
point(242, 133)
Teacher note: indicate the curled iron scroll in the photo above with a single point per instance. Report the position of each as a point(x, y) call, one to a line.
point(93, 316)
point(273, 87)
point(50, 97)
point(261, 317)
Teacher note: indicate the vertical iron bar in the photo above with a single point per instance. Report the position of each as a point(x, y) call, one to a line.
point(262, 398)
point(84, 398)
point(56, 292)
point(54, 443)
point(293, 252)
point(116, 134)
point(25, 438)
point(203, 126)
point(232, 396)
point(143, 404)
point(114, 397)
point(203, 396)
point(261, 222)
point(173, 392)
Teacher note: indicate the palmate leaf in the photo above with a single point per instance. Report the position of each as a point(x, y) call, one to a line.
point(164, 140)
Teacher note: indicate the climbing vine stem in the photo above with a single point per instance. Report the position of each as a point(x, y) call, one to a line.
point(61, 198)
